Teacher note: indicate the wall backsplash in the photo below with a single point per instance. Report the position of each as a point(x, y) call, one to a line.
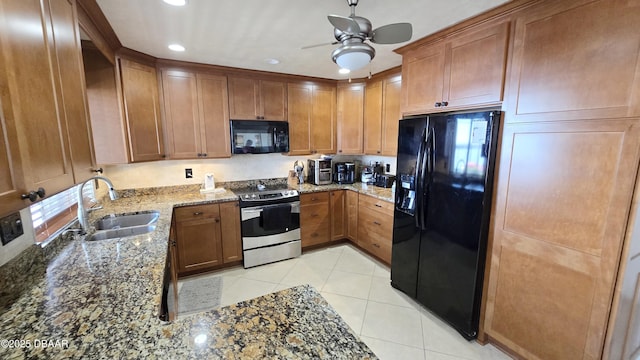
point(236, 168)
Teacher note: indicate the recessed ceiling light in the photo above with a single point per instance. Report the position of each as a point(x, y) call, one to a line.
point(176, 47)
point(176, 2)
point(272, 61)
point(344, 71)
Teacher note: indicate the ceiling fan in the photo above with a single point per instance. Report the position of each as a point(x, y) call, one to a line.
point(352, 31)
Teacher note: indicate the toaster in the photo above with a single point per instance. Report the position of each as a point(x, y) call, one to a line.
point(385, 180)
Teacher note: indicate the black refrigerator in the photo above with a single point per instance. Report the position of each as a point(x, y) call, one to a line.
point(443, 196)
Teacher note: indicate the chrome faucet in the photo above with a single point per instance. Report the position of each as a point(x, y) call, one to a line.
point(82, 212)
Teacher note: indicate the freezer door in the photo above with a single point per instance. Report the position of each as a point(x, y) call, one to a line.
point(406, 233)
point(453, 243)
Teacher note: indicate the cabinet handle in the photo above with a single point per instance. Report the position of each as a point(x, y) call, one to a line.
point(376, 245)
point(163, 156)
point(378, 205)
point(173, 243)
point(217, 220)
point(98, 170)
point(437, 104)
point(199, 154)
point(204, 155)
point(197, 213)
point(339, 151)
point(34, 194)
point(378, 151)
point(377, 223)
point(445, 103)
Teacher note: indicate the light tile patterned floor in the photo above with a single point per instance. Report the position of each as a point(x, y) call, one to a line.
point(357, 287)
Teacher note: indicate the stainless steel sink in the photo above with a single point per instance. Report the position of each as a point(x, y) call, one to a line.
point(118, 226)
point(110, 222)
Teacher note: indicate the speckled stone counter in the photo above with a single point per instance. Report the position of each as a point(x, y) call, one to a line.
point(101, 299)
point(380, 193)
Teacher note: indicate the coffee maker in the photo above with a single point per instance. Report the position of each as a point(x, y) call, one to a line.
point(344, 173)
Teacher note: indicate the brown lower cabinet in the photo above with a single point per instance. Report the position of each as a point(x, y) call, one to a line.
point(207, 236)
point(338, 212)
point(375, 226)
point(352, 215)
point(315, 220)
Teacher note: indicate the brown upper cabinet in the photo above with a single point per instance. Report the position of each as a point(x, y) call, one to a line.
point(196, 114)
point(253, 99)
point(382, 114)
point(594, 73)
point(142, 110)
point(350, 118)
point(43, 103)
point(461, 71)
point(312, 118)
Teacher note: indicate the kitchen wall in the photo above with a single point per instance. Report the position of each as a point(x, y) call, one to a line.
point(236, 168)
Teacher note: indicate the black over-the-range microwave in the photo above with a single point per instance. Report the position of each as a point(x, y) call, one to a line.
point(259, 137)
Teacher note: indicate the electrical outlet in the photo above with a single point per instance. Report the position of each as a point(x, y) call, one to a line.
point(188, 173)
point(11, 228)
point(387, 168)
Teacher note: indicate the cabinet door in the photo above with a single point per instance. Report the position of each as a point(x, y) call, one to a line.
point(214, 116)
point(244, 99)
point(352, 215)
point(199, 241)
point(181, 114)
point(231, 237)
point(273, 100)
point(576, 60)
point(475, 66)
point(391, 115)
point(350, 118)
point(299, 114)
point(29, 98)
point(373, 118)
point(142, 111)
point(66, 36)
point(315, 221)
point(338, 221)
point(553, 266)
point(423, 78)
point(323, 120)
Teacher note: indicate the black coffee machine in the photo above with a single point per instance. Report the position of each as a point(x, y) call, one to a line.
point(344, 173)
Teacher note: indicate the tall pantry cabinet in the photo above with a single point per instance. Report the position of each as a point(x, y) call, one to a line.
point(565, 179)
point(47, 144)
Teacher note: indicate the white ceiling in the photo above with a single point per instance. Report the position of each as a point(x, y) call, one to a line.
point(243, 33)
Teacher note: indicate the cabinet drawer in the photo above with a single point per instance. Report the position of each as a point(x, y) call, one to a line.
point(315, 234)
point(197, 212)
point(376, 204)
point(314, 198)
point(372, 222)
point(381, 249)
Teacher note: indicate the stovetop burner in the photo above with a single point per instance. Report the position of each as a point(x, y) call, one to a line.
point(268, 196)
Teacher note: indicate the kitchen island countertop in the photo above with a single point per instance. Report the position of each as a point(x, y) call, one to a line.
point(101, 299)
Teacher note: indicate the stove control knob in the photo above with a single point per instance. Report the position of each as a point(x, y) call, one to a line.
point(253, 196)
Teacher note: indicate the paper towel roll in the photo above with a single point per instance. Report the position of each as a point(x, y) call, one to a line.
point(209, 183)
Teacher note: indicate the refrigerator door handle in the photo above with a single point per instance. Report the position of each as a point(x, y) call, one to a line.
point(418, 180)
point(424, 167)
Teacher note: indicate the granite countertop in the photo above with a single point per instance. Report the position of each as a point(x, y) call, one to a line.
point(101, 299)
point(380, 193)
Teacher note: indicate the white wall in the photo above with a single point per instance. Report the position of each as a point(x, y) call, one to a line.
point(236, 168)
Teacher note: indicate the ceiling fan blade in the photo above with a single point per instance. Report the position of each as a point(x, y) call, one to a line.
point(344, 24)
point(392, 33)
point(317, 45)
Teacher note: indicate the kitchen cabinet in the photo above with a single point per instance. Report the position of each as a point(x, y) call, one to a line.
point(375, 226)
point(464, 70)
point(350, 117)
point(207, 236)
point(141, 111)
point(338, 213)
point(196, 114)
point(382, 114)
point(255, 99)
point(231, 235)
point(36, 143)
point(555, 265)
point(315, 218)
point(576, 61)
point(312, 118)
point(352, 215)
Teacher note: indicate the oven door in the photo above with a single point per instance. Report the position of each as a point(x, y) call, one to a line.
point(266, 225)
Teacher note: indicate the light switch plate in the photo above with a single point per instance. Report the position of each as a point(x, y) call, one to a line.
point(10, 228)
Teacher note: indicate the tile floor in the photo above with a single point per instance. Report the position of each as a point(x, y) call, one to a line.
point(357, 287)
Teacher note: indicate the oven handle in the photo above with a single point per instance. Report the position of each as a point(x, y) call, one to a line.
point(253, 212)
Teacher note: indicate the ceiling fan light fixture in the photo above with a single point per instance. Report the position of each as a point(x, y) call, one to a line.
point(344, 71)
point(176, 2)
point(353, 56)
